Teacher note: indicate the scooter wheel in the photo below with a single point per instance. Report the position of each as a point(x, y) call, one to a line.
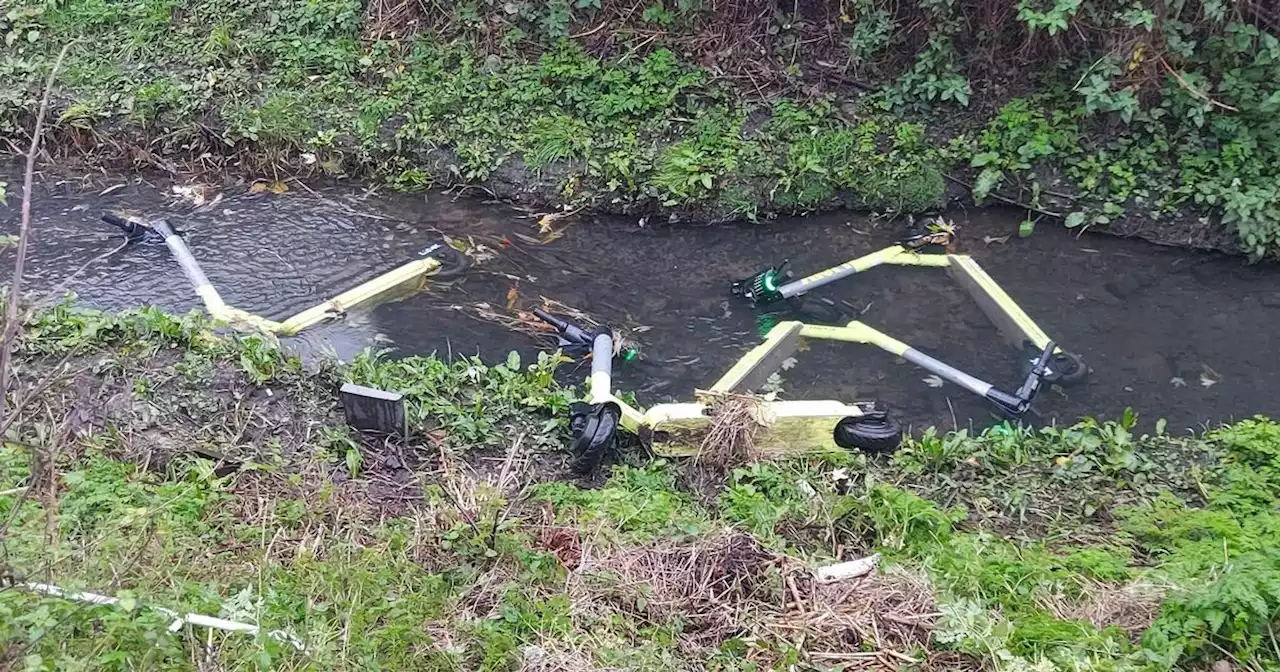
point(595, 438)
point(874, 434)
point(1064, 368)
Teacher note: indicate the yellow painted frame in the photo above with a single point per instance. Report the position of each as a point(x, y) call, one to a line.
point(798, 427)
point(358, 295)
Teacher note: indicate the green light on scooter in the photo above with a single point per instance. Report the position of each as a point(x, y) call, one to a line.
point(763, 287)
point(770, 280)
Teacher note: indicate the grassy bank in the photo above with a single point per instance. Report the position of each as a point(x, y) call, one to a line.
point(157, 462)
point(1142, 117)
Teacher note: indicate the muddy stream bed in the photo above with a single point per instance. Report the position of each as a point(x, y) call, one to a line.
point(1181, 335)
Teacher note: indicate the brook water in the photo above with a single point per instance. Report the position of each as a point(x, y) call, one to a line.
point(1174, 334)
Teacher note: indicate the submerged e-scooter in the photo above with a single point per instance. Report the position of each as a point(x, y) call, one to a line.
point(775, 284)
point(438, 261)
point(789, 427)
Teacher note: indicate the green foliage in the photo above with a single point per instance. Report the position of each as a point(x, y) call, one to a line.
point(1235, 612)
point(1053, 19)
point(1014, 141)
point(642, 502)
point(936, 76)
point(873, 30)
point(466, 402)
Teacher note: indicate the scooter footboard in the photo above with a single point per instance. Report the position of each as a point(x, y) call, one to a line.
point(784, 428)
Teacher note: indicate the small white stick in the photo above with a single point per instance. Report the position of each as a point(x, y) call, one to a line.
point(178, 621)
point(847, 570)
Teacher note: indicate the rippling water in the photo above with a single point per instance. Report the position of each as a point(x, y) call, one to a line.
point(1176, 334)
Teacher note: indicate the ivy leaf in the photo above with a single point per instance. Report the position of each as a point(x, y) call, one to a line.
point(988, 180)
point(1074, 219)
point(980, 160)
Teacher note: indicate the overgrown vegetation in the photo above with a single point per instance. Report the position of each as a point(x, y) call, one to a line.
point(1141, 116)
point(173, 468)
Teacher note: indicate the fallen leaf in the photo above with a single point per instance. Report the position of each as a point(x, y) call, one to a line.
point(933, 381)
point(547, 221)
point(788, 363)
point(995, 239)
point(1209, 377)
point(512, 296)
point(1177, 382)
point(279, 187)
point(194, 194)
point(257, 187)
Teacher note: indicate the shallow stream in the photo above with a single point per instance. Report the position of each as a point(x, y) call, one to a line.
point(1181, 335)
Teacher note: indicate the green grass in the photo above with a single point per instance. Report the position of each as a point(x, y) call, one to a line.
point(446, 563)
point(297, 83)
point(294, 83)
point(462, 568)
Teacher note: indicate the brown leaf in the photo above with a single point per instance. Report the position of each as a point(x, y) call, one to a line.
point(513, 295)
point(257, 187)
point(279, 187)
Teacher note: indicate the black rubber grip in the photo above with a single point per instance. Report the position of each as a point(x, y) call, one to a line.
point(550, 319)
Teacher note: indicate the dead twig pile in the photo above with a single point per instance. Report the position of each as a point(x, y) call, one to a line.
point(392, 19)
point(726, 586)
point(525, 322)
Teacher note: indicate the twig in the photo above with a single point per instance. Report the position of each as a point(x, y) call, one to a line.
point(24, 232)
point(1194, 91)
point(179, 619)
point(1006, 199)
point(589, 32)
point(329, 201)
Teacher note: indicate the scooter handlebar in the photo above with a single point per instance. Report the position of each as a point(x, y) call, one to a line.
point(569, 332)
point(559, 324)
point(1032, 384)
point(116, 220)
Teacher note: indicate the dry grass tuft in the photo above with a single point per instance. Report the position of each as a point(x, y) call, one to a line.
point(555, 656)
point(1132, 607)
point(735, 421)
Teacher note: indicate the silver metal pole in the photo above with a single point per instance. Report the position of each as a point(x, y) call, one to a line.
point(191, 268)
point(947, 372)
point(602, 366)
